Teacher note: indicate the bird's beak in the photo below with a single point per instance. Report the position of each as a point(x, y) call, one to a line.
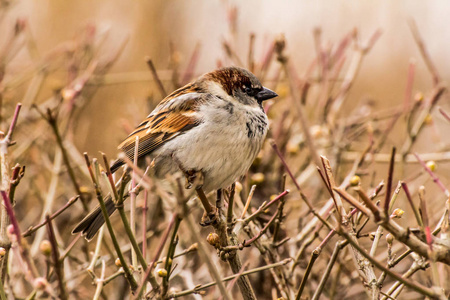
point(265, 94)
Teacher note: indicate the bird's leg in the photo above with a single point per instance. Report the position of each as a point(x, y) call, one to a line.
point(193, 179)
point(219, 201)
point(211, 213)
point(210, 217)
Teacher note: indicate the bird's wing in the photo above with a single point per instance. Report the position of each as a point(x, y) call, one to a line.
point(173, 116)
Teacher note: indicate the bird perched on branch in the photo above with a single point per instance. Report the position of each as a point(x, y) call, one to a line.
point(212, 129)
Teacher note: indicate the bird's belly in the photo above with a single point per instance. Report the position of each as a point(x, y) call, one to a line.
point(222, 153)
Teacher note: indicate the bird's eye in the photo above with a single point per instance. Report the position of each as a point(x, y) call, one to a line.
point(248, 90)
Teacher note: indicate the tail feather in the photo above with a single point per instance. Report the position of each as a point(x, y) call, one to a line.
point(94, 220)
point(116, 165)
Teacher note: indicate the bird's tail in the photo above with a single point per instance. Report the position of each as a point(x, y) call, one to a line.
point(94, 220)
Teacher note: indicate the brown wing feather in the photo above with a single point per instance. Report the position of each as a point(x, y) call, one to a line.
point(169, 119)
point(159, 130)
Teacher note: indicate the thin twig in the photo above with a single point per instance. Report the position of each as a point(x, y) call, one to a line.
point(423, 51)
point(230, 207)
point(413, 207)
point(148, 273)
point(249, 200)
point(201, 195)
point(144, 224)
point(23, 246)
point(131, 280)
point(433, 176)
point(170, 254)
point(199, 288)
point(265, 206)
point(159, 84)
point(69, 203)
point(204, 254)
point(415, 286)
point(314, 255)
point(389, 183)
point(59, 267)
point(96, 255)
point(338, 247)
point(133, 204)
point(5, 142)
point(52, 120)
point(100, 282)
point(127, 226)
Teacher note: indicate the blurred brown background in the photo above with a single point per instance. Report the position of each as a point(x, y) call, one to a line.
point(172, 30)
point(151, 25)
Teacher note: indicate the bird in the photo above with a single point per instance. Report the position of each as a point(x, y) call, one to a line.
point(212, 128)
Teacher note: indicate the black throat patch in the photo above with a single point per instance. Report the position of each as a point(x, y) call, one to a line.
point(256, 125)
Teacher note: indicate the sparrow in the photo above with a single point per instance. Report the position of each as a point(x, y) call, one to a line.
point(214, 126)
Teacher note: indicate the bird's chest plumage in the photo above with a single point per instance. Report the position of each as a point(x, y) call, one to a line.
point(240, 133)
point(224, 145)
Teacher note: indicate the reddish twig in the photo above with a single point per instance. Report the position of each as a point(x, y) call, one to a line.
point(413, 207)
point(354, 202)
point(12, 217)
point(444, 114)
point(433, 176)
point(265, 206)
point(16, 230)
point(13, 123)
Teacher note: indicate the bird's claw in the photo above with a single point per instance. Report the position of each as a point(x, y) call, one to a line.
point(209, 218)
point(194, 179)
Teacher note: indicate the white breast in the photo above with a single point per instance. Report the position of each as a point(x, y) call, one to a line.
point(223, 146)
